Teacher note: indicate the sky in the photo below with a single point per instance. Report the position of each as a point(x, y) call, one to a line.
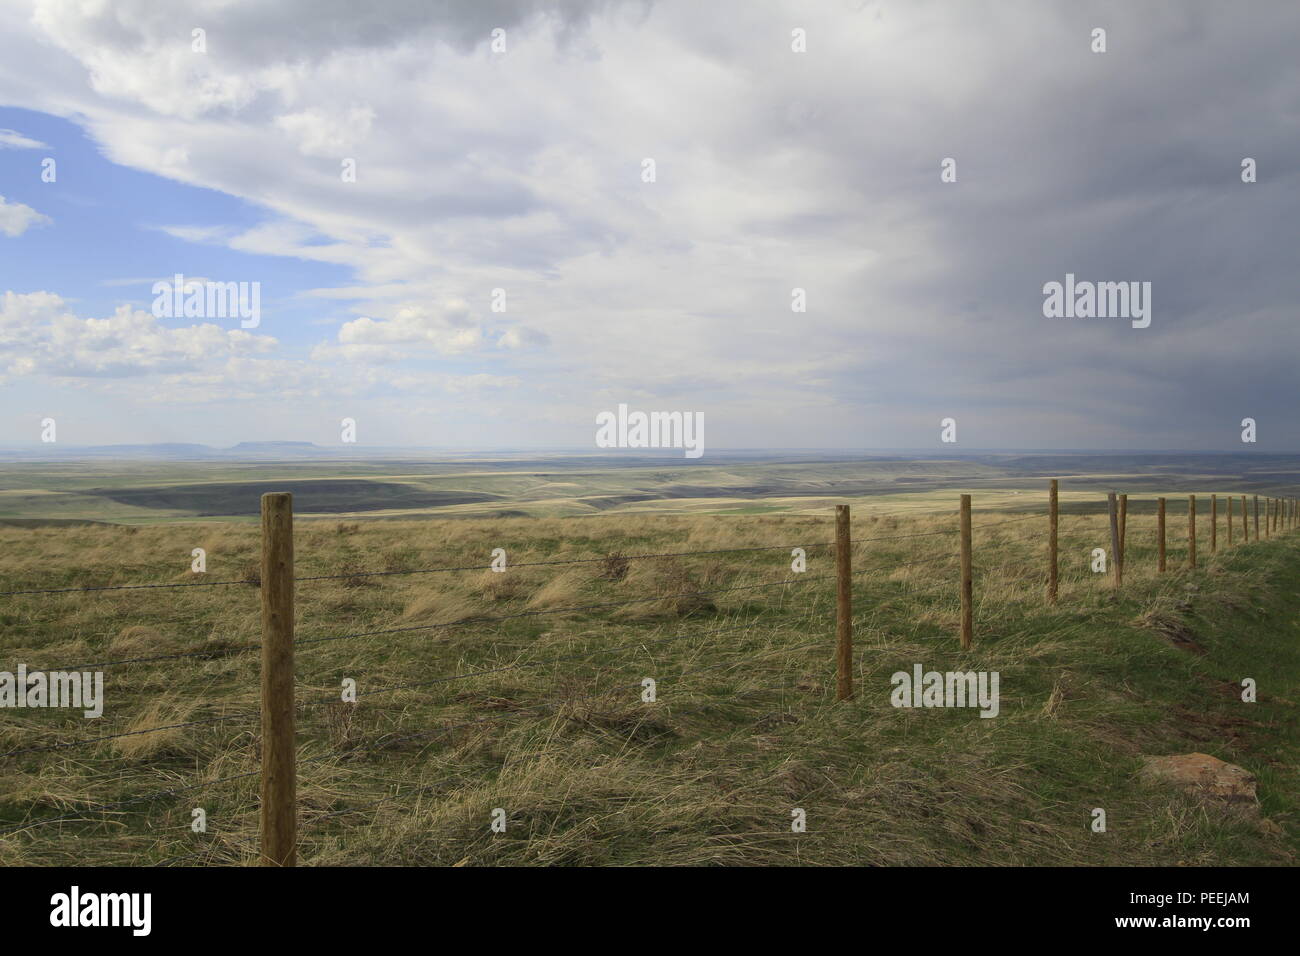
point(499, 271)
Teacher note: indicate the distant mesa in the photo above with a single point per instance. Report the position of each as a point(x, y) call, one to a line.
point(271, 445)
point(174, 451)
point(275, 449)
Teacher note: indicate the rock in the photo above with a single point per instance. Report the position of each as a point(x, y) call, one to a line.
point(1203, 775)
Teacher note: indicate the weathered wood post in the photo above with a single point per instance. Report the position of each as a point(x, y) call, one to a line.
point(1160, 534)
point(843, 604)
point(279, 774)
point(1214, 524)
point(1117, 578)
point(967, 590)
point(1052, 511)
point(1245, 526)
point(1191, 531)
point(1230, 520)
point(1257, 517)
point(1123, 531)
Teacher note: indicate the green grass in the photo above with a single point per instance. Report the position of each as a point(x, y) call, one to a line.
point(746, 726)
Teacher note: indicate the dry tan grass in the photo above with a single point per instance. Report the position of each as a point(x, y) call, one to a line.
point(746, 725)
point(139, 639)
point(568, 588)
point(441, 607)
point(160, 713)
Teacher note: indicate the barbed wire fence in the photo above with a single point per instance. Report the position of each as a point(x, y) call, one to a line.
point(279, 829)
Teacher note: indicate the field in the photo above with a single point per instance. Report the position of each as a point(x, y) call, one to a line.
point(146, 490)
point(522, 690)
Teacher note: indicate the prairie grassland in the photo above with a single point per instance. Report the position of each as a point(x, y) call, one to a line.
point(522, 691)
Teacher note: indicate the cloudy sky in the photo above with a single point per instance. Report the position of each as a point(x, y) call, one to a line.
point(520, 166)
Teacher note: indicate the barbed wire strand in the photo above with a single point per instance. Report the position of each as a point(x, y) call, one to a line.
point(128, 587)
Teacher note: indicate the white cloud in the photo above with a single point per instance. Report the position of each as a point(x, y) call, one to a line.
point(16, 218)
point(12, 139)
point(413, 330)
point(775, 170)
point(40, 335)
point(522, 337)
point(322, 132)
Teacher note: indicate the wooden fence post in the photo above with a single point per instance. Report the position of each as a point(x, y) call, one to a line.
point(1123, 530)
point(1160, 534)
point(1257, 517)
point(1114, 540)
point(967, 591)
point(1191, 531)
point(279, 774)
point(1214, 524)
point(1052, 511)
point(1245, 526)
point(1230, 520)
point(843, 604)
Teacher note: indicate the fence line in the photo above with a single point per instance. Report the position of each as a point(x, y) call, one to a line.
point(277, 584)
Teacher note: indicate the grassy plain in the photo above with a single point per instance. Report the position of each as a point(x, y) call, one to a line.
point(540, 714)
point(143, 491)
